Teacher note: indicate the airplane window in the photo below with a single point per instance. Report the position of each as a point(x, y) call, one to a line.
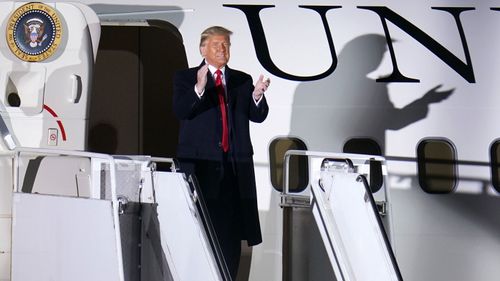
point(299, 175)
point(371, 147)
point(495, 164)
point(362, 146)
point(437, 171)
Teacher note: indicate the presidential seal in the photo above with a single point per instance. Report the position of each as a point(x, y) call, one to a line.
point(34, 32)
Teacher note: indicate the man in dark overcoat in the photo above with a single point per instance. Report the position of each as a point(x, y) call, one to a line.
point(215, 105)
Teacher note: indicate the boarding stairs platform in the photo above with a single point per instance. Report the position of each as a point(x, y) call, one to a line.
point(88, 216)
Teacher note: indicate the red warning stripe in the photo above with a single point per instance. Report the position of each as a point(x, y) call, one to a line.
point(59, 122)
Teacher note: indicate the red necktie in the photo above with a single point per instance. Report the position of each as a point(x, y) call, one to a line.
point(220, 93)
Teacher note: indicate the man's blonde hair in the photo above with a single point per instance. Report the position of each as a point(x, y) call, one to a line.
point(214, 30)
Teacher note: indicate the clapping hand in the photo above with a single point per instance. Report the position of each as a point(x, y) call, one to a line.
point(202, 78)
point(260, 87)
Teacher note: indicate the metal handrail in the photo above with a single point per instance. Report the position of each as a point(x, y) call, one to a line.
point(289, 153)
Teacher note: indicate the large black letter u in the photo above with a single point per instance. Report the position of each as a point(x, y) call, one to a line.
point(260, 43)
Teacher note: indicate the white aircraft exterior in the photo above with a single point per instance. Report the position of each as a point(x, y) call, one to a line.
point(415, 80)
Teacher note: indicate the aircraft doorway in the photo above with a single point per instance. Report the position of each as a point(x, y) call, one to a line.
point(131, 103)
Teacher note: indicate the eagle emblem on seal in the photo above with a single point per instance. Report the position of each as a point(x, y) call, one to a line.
point(34, 32)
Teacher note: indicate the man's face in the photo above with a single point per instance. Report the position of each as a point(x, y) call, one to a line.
point(215, 50)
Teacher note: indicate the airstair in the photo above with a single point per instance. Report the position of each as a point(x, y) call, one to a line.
point(87, 216)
